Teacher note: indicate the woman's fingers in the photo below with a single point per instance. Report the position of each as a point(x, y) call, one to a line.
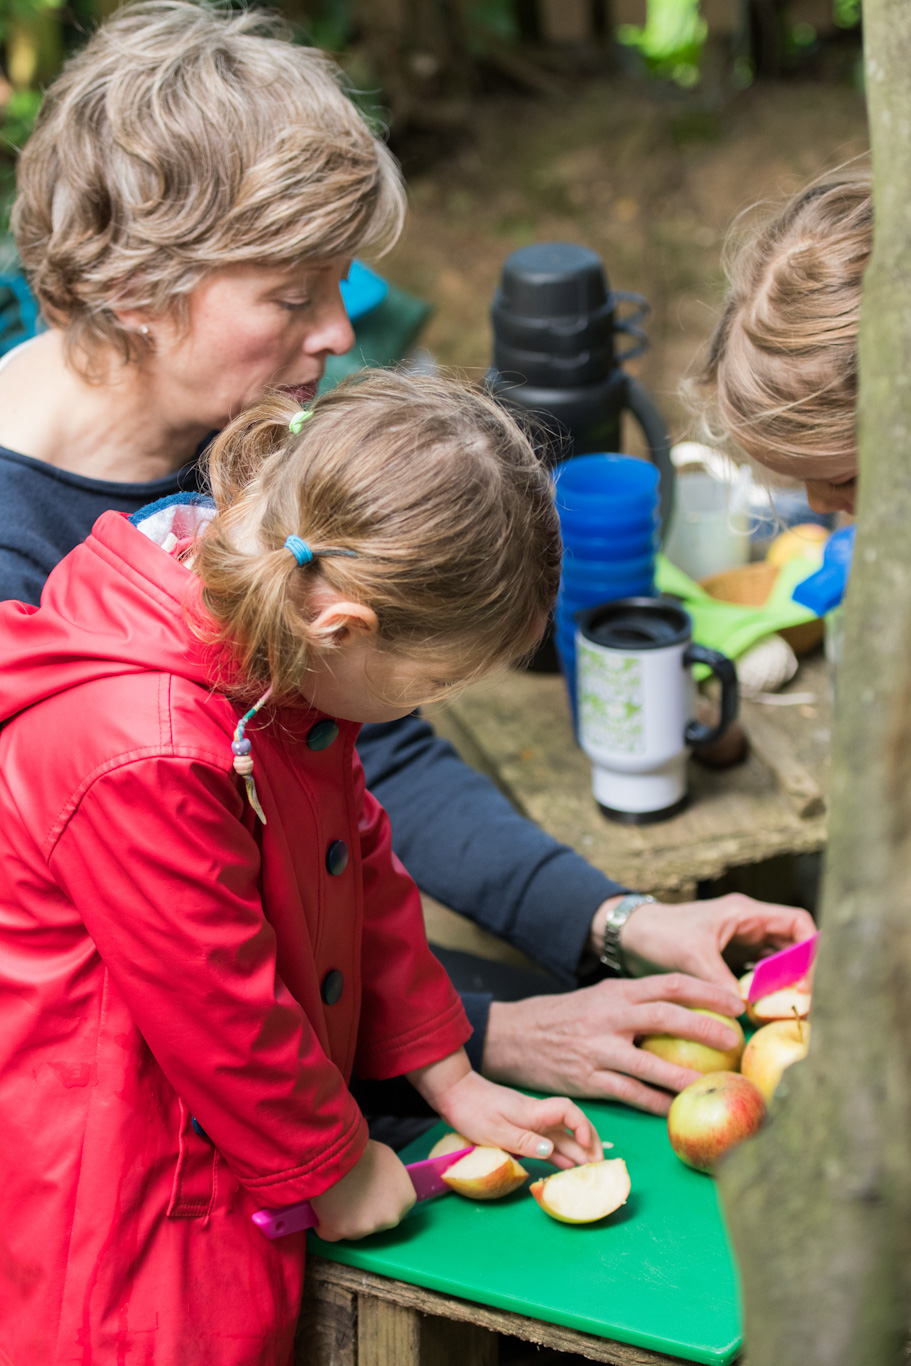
point(619, 1086)
point(682, 989)
point(665, 1017)
point(638, 1063)
point(756, 922)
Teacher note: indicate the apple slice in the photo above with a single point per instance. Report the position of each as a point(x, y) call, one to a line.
point(485, 1174)
point(583, 1194)
point(787, 1004)
point(449, 1143)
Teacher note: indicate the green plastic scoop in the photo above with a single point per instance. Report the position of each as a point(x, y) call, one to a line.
point(728, 626)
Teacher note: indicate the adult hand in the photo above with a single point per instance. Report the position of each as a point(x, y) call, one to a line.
point(692, 937)
point(582, 1043)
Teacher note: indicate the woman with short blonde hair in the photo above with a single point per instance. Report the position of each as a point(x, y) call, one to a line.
point(185, 139)
point(188, 203)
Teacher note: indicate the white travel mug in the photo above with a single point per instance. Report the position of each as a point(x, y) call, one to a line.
point(636, 700)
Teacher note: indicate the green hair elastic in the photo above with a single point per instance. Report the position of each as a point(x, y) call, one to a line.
point(298, 420)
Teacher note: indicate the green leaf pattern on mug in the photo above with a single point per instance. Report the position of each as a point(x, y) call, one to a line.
point(610, 700)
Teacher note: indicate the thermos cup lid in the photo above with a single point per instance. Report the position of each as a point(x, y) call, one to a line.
point(554, 280)
point(553, 316)
point(635, 624)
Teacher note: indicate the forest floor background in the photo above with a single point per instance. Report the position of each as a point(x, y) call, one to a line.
point(645, 176)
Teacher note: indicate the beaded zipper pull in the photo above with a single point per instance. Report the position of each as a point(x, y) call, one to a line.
point(243, 758)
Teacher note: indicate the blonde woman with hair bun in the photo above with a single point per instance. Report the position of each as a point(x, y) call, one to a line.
point(205, 927)
point(188, 204)
point(780, 379)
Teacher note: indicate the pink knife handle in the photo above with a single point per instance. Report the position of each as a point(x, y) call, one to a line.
point(276, 1223)
point(426, 1177)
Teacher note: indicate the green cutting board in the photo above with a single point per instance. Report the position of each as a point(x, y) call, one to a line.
point(657, 1274)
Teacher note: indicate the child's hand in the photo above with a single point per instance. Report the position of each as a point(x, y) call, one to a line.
point(490, 1114)
point(377, 1193)
point(487, 1113)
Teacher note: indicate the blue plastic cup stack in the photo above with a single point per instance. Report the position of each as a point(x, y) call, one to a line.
point(608, 509)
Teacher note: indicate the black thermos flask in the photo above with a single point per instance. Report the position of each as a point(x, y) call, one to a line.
point(554, 354)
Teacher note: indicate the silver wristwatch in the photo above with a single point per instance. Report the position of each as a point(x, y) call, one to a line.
point(612, 954)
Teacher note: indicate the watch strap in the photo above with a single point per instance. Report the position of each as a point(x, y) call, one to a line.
point(612, 953)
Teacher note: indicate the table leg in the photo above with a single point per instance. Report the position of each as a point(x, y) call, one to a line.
point(393, 1335)
point(327, 1330)
point(339, 1328)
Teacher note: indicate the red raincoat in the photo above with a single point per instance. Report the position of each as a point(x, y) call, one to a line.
point(163, 955)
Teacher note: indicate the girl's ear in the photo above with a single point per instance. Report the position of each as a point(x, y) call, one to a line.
point(342, 622)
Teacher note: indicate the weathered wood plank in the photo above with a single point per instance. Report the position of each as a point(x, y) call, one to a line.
point(773, 747)
point(327, 1329)
point(365, 1285)
point(446, 1342)
point(516, 727)
point(388, 1333)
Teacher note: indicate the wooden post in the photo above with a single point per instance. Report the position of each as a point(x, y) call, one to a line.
point(34, 48)
point(566, 21)
point(387, 1334)
point(394, 1335)
point(327, 1330)
point(347, 1325)
point(819, 1205)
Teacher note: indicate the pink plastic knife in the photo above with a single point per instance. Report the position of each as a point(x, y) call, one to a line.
point(426, 1177)
point(782, 969)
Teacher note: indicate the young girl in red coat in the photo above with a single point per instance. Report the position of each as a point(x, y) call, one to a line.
point(203, 930)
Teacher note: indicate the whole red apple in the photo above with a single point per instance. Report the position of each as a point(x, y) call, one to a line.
point(712, 1116)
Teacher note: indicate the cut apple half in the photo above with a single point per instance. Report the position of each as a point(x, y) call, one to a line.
point(485, 1174)
point(449, 1143)
point(583, 1194)
point(787, 1004)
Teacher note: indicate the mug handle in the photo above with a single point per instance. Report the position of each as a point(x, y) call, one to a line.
point(696, 733)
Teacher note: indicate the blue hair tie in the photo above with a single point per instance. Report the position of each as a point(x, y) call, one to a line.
point(300, 550)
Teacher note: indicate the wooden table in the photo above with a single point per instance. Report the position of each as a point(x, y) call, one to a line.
point(516, 728)
point(652, 1284)
point(354, 1318)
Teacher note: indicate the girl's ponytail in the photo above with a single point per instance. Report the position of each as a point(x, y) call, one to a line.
point(252, 588)
point(415, 495)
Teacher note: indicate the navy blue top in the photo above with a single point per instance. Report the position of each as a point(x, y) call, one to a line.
point(457, 835)
point(45, 512)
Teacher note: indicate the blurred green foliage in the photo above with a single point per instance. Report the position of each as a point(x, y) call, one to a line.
point(670, 42)
point(36, 34)
point(13, 10)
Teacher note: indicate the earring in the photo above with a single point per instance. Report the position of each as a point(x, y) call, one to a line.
point(144, 329)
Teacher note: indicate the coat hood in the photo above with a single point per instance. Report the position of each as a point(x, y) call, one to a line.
point(119, 603)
